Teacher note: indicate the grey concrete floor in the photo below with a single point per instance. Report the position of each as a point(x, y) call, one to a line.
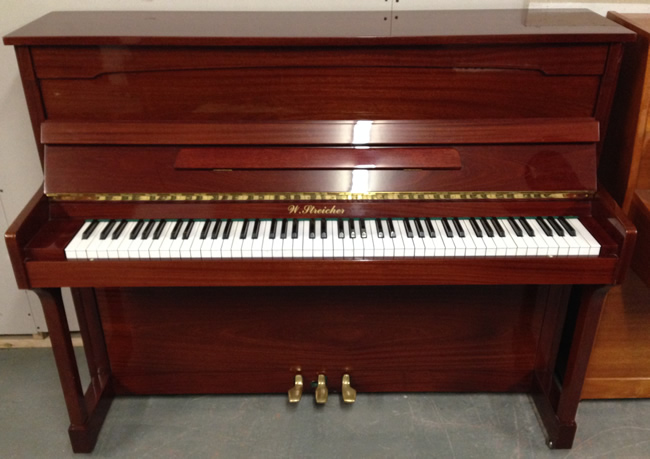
point(33, 424)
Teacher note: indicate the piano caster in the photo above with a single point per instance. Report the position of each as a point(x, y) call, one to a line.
point(295, 393)
point(321, 390)
point(348, 393)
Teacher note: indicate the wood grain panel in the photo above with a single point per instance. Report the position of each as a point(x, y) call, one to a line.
point(328, 93)
point(378, 335)
point(485, 168)
point(92, 61)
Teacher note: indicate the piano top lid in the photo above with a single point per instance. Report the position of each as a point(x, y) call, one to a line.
point(351, 28)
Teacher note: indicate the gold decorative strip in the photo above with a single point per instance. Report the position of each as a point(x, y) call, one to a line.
point(316, 196)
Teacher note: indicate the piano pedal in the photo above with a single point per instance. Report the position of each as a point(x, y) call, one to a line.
point(348, 393)
point(321, 390)
point(295, 393)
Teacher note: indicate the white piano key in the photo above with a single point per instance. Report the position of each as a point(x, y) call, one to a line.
point(348, 242)
point(402, 246)
point(474, 247)
point(550, 244)
point(521, 249)
point(299, 243)
point(428, 241)
point(154, 250)
point(389, 242)
point(197, 242)
point(487, 245)
point(238, 243)
point(217, 243)
point(450, 247)
point(357, 242)
point(377, 242)
point(317, 243)
point(368, 245)
point(71, 248)
point(532, 248)
point(337, 240)
point(228, 244)
point(258, 244)
point(145, 245)
point(594, 246)
point(95, 241)
point(328, 242)
point(418, 242)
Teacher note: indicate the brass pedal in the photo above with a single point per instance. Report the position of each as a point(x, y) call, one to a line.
point(321, 390)
point(295, 393)
point(348, 393)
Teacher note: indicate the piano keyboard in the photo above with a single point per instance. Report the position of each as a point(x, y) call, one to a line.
point(327, 238)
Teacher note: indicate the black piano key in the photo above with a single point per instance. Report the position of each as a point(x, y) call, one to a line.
point(477, 229)
point(418, 227)
point(447, 227)
point(339, 228)
point(380, 228)
point(89, 231)
point(429, 224)
point(206, 229)
point(515, 227)
point(323, 228)
point(567, 226)
point(273, 230)
point(459, 228)
point(136, 230)
point(256, 229)
point(526, 226)
point(107, 230)
point(148, 229)
point(283, 228)
point(312, 228)
point(159, 229)
point(244, 229)
point(542, 224)
point(487, 227)
point(557, 228)
point(118, 231)
point(497, 227)
point(294, 229)
point(391, 228)
point(188, 229)
point(408, 228)
point(351, 231)
point(177, 229)
point(215, 230)
point(362, 228)
point(226, 229)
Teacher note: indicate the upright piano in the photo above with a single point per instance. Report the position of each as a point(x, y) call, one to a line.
point(321, 202)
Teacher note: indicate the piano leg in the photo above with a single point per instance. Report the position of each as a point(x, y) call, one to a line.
point(559, 380)
point(86, 411)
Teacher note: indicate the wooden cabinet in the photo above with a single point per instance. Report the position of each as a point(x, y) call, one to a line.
point(620, 362)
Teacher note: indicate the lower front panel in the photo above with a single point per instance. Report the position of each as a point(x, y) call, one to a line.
point(255, 340)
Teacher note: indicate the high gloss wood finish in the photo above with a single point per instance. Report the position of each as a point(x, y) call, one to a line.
point(149, 102)
point(265, 158)
point(381, 132)
point(347, 28)
point(484, 168)
point(619, 367)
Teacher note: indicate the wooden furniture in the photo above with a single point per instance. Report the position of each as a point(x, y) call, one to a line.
point(620, 362)
point(356, 115)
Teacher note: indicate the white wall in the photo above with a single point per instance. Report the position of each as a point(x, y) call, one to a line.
point(20, 173)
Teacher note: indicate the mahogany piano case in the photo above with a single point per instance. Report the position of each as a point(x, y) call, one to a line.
point(369, 169)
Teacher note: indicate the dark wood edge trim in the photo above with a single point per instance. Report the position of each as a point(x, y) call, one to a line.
point(608, 89)
point(618, 225)
point(268, 272)
point(382, 132)
point(33, 95)
point(22, 229)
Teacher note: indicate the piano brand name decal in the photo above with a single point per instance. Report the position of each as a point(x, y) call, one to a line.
point(313, 210)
